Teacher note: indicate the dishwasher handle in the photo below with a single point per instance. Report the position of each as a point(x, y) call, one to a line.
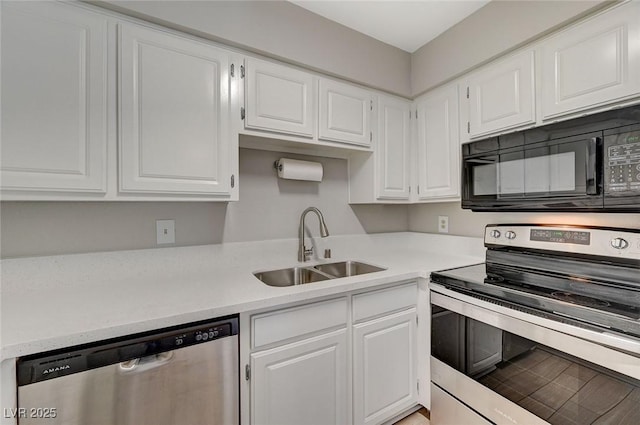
point(142, 364)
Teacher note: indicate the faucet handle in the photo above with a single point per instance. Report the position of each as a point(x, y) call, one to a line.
point(308, 253)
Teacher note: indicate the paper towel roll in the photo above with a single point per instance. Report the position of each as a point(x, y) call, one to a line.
point(294, 169)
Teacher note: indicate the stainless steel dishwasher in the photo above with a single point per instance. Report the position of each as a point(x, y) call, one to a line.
point(186, 375)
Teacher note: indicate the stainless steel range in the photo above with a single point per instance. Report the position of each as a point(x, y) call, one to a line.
point(547, 330)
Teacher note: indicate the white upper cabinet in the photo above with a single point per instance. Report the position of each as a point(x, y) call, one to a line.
point(279, 98)
point(593, 63)
point(54, 94)
point(438, 145)
point(174, 106)
point(344, 113)
point(392, 150)
point(502, 95)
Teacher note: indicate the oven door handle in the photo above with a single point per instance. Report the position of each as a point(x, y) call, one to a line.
point(591, 173)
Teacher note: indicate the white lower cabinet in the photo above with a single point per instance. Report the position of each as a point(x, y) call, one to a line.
point(312, 364)
point(304, 382)
point(384, 367)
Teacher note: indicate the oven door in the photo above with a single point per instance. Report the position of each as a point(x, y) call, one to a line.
point(554, 175)
point(506, 370)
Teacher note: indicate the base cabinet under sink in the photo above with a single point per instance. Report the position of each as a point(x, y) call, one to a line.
point(348, 360)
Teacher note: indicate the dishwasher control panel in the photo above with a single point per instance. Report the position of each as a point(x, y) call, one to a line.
point(54, 364)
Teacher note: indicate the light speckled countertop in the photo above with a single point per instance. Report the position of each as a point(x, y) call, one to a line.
point(60, 301)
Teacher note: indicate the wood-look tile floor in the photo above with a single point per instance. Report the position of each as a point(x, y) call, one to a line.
point(421, 417)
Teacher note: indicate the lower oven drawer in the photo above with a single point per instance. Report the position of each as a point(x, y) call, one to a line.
point(515, 370)
point(447, 410)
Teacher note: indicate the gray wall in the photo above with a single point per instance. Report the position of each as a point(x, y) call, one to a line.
point(494, 29)
point(424, 218)
point(269, 208)
point(284, 31)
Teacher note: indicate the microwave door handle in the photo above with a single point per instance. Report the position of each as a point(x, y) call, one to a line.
point(591, 170)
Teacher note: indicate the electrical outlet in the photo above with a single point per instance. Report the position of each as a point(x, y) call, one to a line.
point(165, 231)
point(443, 224)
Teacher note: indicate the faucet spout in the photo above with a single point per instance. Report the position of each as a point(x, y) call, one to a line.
point(303, 252)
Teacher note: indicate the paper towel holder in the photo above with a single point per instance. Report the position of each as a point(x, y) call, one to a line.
point(280, 165)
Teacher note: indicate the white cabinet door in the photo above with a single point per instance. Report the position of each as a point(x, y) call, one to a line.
point(593, 63)
point(345, 113)
point(502, 95)
point(174, 105)
point(485, 344)
point(438, 147)
point(392, 150)
point(301, 383)
point(54, 93)
point(279, 98)
point(384, 362)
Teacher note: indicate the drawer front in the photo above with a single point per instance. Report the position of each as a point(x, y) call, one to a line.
point(281, 325)
point(384, 301)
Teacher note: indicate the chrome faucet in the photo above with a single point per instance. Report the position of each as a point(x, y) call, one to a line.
point(303, 252)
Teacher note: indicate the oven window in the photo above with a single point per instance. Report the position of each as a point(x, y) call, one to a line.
point(555, 386)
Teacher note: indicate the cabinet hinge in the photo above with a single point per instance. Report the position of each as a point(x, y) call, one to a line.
point(409, 189)
point(417, 316)
point(233, 181)
point(241, 71)
point(371, 136)
point(233, 69)
point(416, 114)
point(467, 92)
point(409, 114)
point(418, 386)
point(242, 113)
point(247, 372)
point(468, 127)
point(418, 194)
point(371, 105)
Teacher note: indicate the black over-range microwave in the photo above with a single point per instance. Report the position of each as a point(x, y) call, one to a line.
point(589, 163)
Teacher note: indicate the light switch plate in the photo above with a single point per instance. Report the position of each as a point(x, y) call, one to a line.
point(443, 224)
point(165, 232)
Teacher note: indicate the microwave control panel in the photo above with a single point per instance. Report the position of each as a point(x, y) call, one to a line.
point(622, 163)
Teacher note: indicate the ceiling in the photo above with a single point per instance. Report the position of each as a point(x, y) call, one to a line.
point(407, 25)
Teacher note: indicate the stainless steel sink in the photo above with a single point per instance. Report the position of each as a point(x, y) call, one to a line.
point(291, 276)
point(347, 268)
point(301, 275)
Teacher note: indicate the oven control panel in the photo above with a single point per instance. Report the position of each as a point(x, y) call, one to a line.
point(607, 242)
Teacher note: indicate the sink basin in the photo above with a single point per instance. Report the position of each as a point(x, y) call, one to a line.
point(291, 276)
point(301, 275)
point(347, 268)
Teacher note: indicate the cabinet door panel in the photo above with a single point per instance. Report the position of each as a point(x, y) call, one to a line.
point(393, 148)
point(174, 99)
point(384, 377)
point(438, 145)
point(54, 84)
point(593, 63)
point(344, 113)
point(301, 383)
point(502, 95)
point(279, 99)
